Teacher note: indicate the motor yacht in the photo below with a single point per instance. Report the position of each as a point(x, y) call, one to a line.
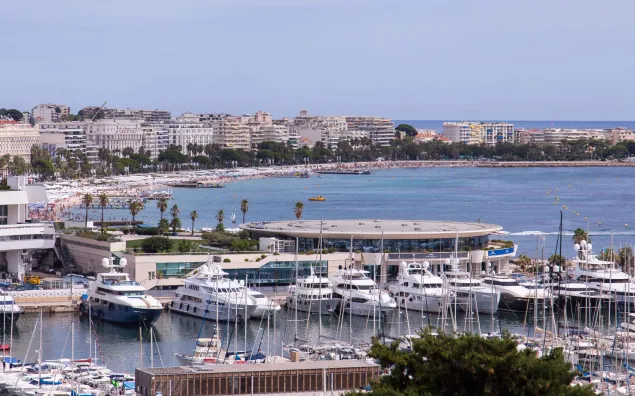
point(469, 290)
point(113, 297)
point(9, 309)
point(265, 305)
point(418, 289)
point(515, 297)
point(603, 276)
point(210, 294)
point(358, 294)
point(312, 294)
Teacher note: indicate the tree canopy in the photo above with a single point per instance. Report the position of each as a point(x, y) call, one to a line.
point(471, 365)
point(407, 129)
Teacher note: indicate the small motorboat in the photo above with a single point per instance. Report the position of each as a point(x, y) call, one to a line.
point(318, 198)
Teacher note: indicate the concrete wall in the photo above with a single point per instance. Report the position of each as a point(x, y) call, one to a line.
point(88, 252)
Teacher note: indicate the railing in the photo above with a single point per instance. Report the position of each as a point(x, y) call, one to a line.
point(29, 228)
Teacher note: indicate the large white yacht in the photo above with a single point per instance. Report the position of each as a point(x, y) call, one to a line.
point(418, 289)
point(358, 294)
point(265, 306)
point(603, 276)
point(469, 290)
point(113, 297)
point(210, 294)
point(514, 296)
point(312, 294)
point(9, 309)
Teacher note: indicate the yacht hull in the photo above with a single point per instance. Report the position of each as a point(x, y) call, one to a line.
point(481, 302)
point(313, 306)
point(510, 302)
point(5, 317)
point(262, 310)
point(364, 309)
point(208, 311)
point(420, 303)
point(133, 316)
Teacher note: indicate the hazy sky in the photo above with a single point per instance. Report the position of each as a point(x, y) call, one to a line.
point(420, 59)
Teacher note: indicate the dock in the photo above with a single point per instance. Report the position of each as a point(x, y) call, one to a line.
point(309, 378)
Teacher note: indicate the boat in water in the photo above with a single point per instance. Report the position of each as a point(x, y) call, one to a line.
point(471, 291)
point(346, 172)
point(113, 297)
point(9, 309)
point(358, 294)
point(312, 294)
point(210, 294)
point(319, 198)
point(418, 289)
point(516, 297)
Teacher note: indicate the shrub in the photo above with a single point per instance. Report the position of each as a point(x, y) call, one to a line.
point(147, 231)
point(246, 260)
point(156, 244)
point(264, 256)
point(258, 259)
point(276, 254)
point(241, 245)
point(226, 260)
point(186, 246)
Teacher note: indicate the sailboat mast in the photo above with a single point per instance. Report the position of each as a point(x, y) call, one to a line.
point(151, 349)
point(350, 301)
point(320, 286)
point(40, 354)
point(295, 299)
point(73, 343)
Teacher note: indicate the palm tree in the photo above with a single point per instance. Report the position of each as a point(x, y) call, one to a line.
point(193, 216)
point(580, 235)
point(164, 226)
point(299, 207)
point(87, 200)
point(103, 202)
point(220, 216)
point(175, 211)
point(175, 224)
point(135, 207)
point(523, 261)
point(162, 205)
point(244, 207)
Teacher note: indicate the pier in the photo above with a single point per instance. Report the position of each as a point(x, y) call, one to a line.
point(310, 378)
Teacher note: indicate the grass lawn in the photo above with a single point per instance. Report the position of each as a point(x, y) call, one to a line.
point(175, 243)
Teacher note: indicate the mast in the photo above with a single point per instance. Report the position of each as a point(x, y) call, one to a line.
point(320, 286)
point(245, 327)
point(151, 350)
point(73, 343)
point(39, 370)
point(90, 332)
point(140, 348)
point(350, 295)
point(295, 299)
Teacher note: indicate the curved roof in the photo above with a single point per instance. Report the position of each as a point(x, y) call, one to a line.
point(371, 229)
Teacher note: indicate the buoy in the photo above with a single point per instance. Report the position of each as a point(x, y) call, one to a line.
point(569, 185)
point(586, 218)
point(554, 202)
point(625, 225)
point(599, 222)
point(577, 214)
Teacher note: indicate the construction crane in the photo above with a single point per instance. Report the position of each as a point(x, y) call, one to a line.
point(97, 112)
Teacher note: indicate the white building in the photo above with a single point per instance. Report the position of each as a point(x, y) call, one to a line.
point(325, 129)
point(116, 134)
point(184, 133)
point(17, 237)
point(616, 135)
point(50, 112)
point(489, 133)
point(379, 130)
point(202, 117)
point(71, 139)
point(17, 139)
point(557, 135)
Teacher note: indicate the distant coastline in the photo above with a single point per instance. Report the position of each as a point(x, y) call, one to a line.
point(479, 164)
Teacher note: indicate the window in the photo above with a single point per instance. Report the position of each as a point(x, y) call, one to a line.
point(4, 214)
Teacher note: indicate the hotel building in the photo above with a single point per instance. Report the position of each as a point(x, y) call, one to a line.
point(50, 113)
point(17, 139)
point(232, 132)
point(489, 133)
point(379, 130)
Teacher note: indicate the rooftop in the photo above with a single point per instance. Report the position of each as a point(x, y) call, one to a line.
point(367, 229)
point(236, 368)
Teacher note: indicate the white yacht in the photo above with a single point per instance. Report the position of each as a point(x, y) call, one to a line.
point(265, 306)
point(418, 289)
point(578, 294)
point(206, 351)
point(9, 309)
point(603, 276)
point(312, 294)
point(210, 294)
point(469, 290)
point(113, 297)
point(358, 294)
point(515, 297)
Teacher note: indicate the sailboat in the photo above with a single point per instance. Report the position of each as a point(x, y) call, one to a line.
point(233, 218)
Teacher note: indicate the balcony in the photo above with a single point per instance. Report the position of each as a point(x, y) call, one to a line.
point(27, 236)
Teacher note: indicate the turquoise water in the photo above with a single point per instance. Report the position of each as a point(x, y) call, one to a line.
point(515, 198)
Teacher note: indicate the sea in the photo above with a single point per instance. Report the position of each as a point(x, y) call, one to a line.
point(437, 125)
point(526, 202)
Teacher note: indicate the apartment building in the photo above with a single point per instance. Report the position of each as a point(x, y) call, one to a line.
point(616, 135)
point(557, 135)
point(184, 133)
point(379, 130)
point(50, 112)
point(17, 237)
point(325, 129)
point(138, 114)
point(116, 135)
point(73, 138)
point(489, 133)
point(17, 139)
point(202, 117)
point(232, 132)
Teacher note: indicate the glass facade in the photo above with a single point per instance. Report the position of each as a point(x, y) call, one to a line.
point(4, 214)
point(395, 245)
point(272, 273)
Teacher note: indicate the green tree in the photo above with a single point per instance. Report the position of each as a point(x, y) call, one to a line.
point(220, 216)
point(579, 235)
point(175, 223)
point(87, 200)
point(135, 207)
point(103, 202)
point(164, 226)
point(156, 244)
point(298, 208)
point(409, 130)
point(175, 211)
point(244, 207)
point(162, 205)
point(187, 246)
point(556, 259)
point(193, 216)
point(471, 365)
point(523, 261)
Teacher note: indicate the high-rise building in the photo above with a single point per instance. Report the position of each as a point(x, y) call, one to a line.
point(489, 133)
point(50, 113)
point(115, 135)
point(17, 139)
point(379, 130)
point(325, 129)
point(232, 132)
point(185, 133)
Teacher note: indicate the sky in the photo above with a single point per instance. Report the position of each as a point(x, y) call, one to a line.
point(402, 59)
